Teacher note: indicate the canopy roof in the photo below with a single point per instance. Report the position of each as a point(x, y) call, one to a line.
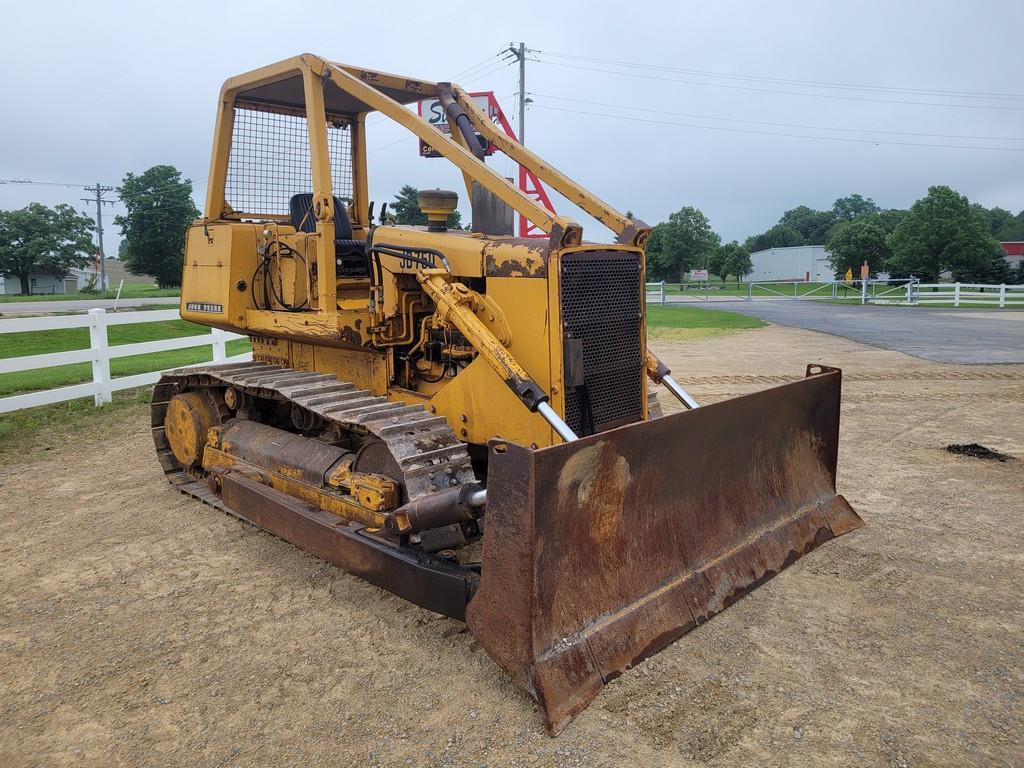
point(280, 86)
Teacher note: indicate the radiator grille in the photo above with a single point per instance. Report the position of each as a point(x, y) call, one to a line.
point(602, 307)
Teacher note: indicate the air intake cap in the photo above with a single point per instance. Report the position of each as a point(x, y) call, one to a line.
point(437, 204)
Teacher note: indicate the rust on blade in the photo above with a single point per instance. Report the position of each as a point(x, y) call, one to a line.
point(600, 552)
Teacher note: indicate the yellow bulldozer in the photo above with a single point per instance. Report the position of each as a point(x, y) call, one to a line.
point(468, 418)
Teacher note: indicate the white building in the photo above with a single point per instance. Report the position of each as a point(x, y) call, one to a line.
point(41, 283)
point(801, 262)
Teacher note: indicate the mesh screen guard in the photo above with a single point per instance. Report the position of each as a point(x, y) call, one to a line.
point(269, 161)
point(602, 306)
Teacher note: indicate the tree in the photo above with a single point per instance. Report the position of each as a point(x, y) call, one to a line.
point(739, 263)
point(940, 233)
point(853, 242)
point(812, 225)
point(42, 239)
point(853, 207)
point(1002, 224)
point(718, 262)
point(1017, 275)
point(730, 259)
point(889, 218)
point(1012, 229)
point(406, 210)
point(994, 271)
point(779, 236)
point(160, 210)
point(682, 243)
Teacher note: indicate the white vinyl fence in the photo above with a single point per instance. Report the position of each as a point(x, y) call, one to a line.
point(969, 293)
point(100, 353)
point(908, 291)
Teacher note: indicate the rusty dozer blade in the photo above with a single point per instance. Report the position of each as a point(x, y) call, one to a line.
point(600, 552)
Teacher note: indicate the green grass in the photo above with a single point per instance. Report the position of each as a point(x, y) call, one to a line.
point(45, 342)
point(131, 291)
point(23, 433)
point(676, 323)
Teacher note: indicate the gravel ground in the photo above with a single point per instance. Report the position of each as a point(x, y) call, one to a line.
point(138, 627)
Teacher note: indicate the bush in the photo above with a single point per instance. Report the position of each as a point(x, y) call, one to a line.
point(90, 284)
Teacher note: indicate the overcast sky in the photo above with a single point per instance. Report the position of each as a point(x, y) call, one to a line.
point(93, 90)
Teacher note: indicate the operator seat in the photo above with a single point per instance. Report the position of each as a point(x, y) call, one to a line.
point(350, 254)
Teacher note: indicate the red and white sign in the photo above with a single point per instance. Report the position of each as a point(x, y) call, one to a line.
point(431, 111)
point(698, 275)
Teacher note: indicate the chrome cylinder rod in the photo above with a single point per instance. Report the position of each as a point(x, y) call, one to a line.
point(681, 394)
point(556, 422)
point(477, 498)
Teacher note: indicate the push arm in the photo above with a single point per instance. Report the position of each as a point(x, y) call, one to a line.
point(660, 373)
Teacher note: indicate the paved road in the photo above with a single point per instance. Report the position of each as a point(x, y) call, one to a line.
point(944, 335)
point(46, 307)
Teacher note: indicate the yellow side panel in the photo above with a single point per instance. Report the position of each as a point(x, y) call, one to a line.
point(480, 396)
point(524, 302)
point(489, 408)
point(219, 262)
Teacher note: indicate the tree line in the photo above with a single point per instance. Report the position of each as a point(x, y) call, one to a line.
point(942, 232)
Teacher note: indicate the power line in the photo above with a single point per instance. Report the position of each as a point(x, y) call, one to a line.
point(644, 76)
point(774, 133)
point(781, 125)
point(195, 182)
point(788, 81)
point(44, 183)
point(480, 65)
point(502, 65)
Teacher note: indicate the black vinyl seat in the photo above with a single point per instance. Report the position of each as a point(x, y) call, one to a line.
point(350, 254)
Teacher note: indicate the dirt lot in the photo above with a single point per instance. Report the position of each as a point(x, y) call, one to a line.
point(138, 627)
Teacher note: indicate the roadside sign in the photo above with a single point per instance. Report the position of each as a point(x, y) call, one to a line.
point(432, 111)
point(848, 277)
point(865, 271)
point(698, 275)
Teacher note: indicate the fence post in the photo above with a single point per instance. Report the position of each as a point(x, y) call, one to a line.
point(101, 358)
point(863, 291)
point(1002, 294)
point(663, 292)
point(956, 295)
point(219, 348)
point(750, 291)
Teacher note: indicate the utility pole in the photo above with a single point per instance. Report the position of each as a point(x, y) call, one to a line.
point(98, 191)
point(520, 54)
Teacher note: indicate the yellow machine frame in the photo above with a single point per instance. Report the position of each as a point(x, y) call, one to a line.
point(352, 332)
